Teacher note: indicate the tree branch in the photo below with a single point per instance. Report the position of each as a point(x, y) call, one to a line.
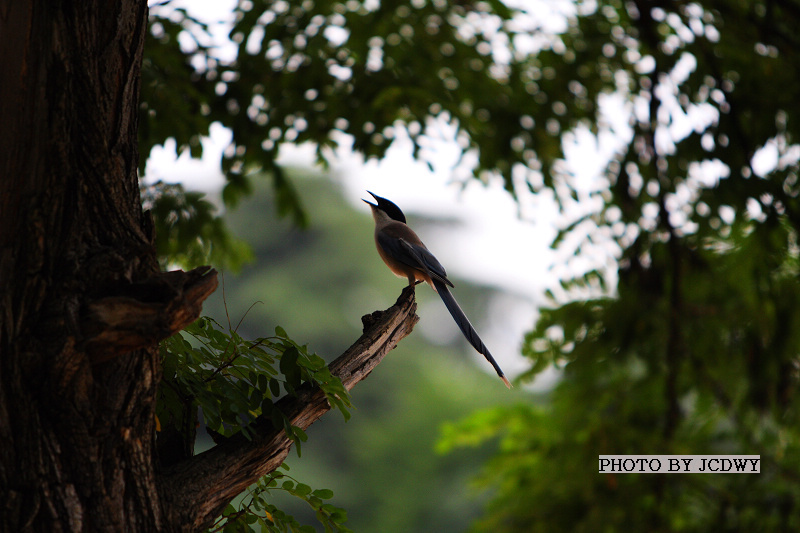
point(194, 492)
point(146, 312)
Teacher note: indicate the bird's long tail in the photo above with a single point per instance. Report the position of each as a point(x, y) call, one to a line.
point(466, 328)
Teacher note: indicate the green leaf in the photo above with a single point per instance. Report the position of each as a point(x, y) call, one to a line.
point(302, 489)
point(299, 434)
point(323, 494)
point(275, 387)
point(289, 366)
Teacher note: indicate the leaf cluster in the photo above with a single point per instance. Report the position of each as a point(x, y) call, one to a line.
point(255, 508)
point(233, 381)
point(697, 353)
point(694, 348)
point(721, 378)
point(706, 85)
point(189, 230)
point(335, 73)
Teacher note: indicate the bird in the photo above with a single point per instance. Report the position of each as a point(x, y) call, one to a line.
point(407, 257)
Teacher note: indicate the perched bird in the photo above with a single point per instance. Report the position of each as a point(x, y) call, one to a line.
point(406, 256)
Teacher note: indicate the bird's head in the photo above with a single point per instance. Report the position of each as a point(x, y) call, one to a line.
point(387, 207)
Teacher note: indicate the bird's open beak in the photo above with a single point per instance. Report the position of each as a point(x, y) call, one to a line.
point(370, 203)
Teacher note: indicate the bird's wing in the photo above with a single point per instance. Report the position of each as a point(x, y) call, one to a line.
point(413, 254)
point(431, 265)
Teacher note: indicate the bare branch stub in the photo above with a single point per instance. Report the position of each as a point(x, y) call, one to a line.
point(146, 312)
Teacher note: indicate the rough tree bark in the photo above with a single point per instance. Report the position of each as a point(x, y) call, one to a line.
point(82, 301)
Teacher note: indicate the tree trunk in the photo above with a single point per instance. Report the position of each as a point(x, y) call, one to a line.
point(76, 410)
point(82, 302)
